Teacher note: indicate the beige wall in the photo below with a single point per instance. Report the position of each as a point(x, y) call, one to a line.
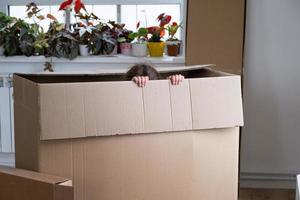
point(215, 31)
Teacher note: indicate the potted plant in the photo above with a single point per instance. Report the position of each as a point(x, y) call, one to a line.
point(61, 42)
point(155, 44)
point(125, 42)
point(104, 40)
point(84, 30)
point(33, 41)
point(16, 31)
point(173, 44)
point(41, 41)
point(83, 33)
point(139, 44)
point(5, 22)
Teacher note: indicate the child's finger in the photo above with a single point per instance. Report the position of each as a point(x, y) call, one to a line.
point(143, 81)
point(135, 79)
point(176, 79)
point(140, 81)
point(181, 78)
point(173, 80)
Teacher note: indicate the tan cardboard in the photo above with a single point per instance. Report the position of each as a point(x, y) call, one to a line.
point(215, 33)
point(74, 110)
point(16, 184)
point(162, 141)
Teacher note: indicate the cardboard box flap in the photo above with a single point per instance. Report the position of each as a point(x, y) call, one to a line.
point(16, 184)
point(121, 71)
point(26, 174)
point(84, 106)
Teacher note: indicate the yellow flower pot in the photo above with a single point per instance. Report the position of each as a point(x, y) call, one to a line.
point(156, 49)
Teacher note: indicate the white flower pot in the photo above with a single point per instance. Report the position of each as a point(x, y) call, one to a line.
point(1, 51)
point(139, 49)
point(84, 51)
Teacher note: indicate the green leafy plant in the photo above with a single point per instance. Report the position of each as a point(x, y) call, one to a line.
point(17, 31)
point(64, 45)
point(102, 43)
point(140, 35)
point(172, 30)
point(4, 23)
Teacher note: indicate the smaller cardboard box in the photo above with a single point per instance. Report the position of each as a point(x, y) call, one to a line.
point(19, 184)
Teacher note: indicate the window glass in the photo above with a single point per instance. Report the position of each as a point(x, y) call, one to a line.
point(106, 12)
point(147, 14)
point(20, 12)
point(129, 14)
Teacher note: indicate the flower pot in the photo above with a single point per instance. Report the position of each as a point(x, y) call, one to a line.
point(156, 49)
point(139, 49)
point(125, 48)
point(1, 51)
point(173, 48)
point(84, 50)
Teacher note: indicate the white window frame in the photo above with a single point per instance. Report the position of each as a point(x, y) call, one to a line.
point(183, 8)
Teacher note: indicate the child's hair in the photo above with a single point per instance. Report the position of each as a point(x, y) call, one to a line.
point(142, 69)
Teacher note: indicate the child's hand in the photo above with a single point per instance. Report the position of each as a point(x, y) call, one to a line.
point(176, 79)
point(140, 80)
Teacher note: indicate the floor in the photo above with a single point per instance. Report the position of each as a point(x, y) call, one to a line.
point(267, 194)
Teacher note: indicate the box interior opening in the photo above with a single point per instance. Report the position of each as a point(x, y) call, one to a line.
point(71, 78)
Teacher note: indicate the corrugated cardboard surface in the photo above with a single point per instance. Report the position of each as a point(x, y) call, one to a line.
point(74, 110)
point(18, 184)
point(199, 165)
point(186, 162)
point(215, 31)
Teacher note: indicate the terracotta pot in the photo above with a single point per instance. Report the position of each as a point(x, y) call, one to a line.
point(125, 48)
point(139, 49)
point(173, 48)
point(156, 49)
point(84, 51)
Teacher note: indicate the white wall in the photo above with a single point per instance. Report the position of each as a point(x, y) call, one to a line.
point(271, 137)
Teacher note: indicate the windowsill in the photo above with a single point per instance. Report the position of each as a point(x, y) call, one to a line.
point(95, 59)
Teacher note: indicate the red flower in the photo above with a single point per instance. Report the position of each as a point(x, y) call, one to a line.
point(65, 4)
point(153, 29)
point(78, 6)
point(162, 33)
point(174, 24)
point(160, 16)
point(165, 20)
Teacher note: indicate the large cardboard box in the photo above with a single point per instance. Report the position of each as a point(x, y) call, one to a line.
point(118, 141)
point(215, 33)
point(18, 184)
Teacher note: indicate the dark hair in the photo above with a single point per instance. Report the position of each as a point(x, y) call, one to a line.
point(142, 69)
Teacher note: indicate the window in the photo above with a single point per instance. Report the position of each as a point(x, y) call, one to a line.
point(124, 11)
